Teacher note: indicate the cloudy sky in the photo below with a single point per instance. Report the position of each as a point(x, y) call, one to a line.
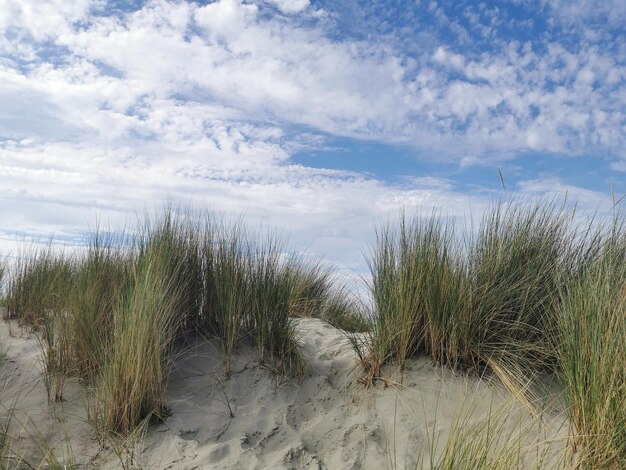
point(317, 116)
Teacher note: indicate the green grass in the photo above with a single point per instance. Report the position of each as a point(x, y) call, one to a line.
point(417, 286)
point(100, 285)
point(316, 293)
point(38, 284)
point(226, 300)
point(517, 265)
point(253, 288)
point(116, 314)
point(37, 294)
point(592, 351)
point(272, 291)
point(137, 362)
point(483, 300)
point(531, 291)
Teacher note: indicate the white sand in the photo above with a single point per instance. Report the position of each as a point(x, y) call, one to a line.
point(34, 424)
point(326, 422)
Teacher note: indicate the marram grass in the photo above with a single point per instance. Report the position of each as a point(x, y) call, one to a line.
point(116, 314)
point(483, 300)
point(528, 291)
point(592, 352)
point(39, 283)
point(137, 363)
point(532, 290)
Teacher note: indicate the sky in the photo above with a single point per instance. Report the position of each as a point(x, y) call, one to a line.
point(321, 118)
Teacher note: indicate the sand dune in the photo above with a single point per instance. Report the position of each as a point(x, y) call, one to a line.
point(253, 420)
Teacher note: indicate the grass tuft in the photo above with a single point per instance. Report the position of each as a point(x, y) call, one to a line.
point(592, 348)
point(531, 291)
point(115, 314)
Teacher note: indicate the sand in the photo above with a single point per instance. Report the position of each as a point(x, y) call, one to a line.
point(253, 420)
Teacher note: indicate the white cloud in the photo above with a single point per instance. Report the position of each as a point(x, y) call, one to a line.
point(619, 166)
point(209, 104)
point(225, 18)
point(39, 20)
point(581, 11)
point(227, 54)
point(63, 187)
point(442, 56)
point(290, 6)
point(587, 201)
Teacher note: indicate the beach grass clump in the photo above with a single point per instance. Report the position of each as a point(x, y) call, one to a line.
point(592, 351)
point(225, 256)
point(317, 293)
point(345, 311)
point(136, 365)
point(517, 265)
point(110, 315)
point(249, 293)
point(100, 285)
point(188, 276)
point(37, 296)
point(252, 288)
point(57, 354)
point(114, 313)
point(417, 285)
point(272, 289)
point(532, 290)
point(283, 286)
point(38, 284)
point(473, 300)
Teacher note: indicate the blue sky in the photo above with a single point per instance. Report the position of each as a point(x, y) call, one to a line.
point(319, 117)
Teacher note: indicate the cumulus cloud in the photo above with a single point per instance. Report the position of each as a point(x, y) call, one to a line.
point(107, 109)
point(290, 6)
point(271, 68)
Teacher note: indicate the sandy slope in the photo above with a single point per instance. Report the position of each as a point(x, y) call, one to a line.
point(251, 421)
point(36, 426)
